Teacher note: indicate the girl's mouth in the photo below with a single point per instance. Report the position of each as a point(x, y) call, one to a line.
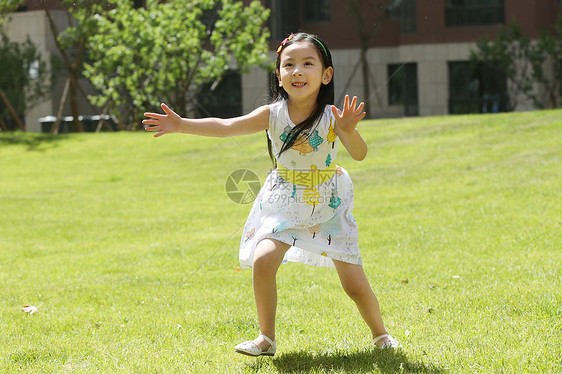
point(299, 84)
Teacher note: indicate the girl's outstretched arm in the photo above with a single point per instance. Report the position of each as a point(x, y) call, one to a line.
point(346, 123)
point(171, 122)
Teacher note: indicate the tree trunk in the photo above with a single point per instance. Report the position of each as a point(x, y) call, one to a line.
point(349, 79)
point(366, 78)
point(72, 67)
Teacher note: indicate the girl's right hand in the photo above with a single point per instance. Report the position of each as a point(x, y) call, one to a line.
point(163, 123)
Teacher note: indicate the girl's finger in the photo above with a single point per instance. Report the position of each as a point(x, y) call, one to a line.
point(336, 111)
point(346, 102)
point(150, 121)
point(353, 103)
point(167, 109)
point(360, 107)
point(155, 115)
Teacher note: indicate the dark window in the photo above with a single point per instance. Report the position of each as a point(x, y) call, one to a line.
point(394, 9)
point(316, 10)
point(222, 99)
point(474, 12)
point(284, 18)
point(409, 17)
point(406, 12)
point(209, 17)
point(403, 87)
point(476, 88)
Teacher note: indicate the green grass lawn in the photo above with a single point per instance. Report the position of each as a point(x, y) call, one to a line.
point(128, 245)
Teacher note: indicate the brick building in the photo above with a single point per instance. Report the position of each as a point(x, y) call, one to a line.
point(417, 57)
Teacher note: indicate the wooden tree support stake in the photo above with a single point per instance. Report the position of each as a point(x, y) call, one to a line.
point(12, 111)
point(3, 125)
point(55, 129)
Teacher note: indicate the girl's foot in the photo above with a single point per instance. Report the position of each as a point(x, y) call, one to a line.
point(386, 341)
point(262, 346)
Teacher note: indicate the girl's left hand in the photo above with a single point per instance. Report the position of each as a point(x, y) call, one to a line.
point(163, 123)
point(347, 119)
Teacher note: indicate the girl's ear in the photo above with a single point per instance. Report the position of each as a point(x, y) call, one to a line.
point(327, 76)
point(279, 78)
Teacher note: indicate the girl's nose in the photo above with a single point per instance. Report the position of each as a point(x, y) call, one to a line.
point(297, 71)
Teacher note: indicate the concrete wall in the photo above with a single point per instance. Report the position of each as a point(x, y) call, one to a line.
point(35, 24)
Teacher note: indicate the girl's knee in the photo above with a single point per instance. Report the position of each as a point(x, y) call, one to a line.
point(263, 260)
point(357, 290)
point(269, 254)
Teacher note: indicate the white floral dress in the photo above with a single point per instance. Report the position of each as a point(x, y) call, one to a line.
point(307, 200)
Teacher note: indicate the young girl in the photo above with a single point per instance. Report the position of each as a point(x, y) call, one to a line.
point(303, 211)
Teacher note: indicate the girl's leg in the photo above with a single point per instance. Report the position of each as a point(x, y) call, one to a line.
point(267, 259)
point(357, 287)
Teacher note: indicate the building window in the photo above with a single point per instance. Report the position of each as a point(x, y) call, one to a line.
point(460, 13)
point(476, 88)
point(284, 18)
point(403, 87)
point(409, 17)
point(316, 10)
point(406, 12)
point(394, 9)
point(222, 99)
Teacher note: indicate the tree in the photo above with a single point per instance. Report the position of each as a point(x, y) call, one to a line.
point(523, 62)
point(169, 51)
point(7, 7)
point(550, 50)
point(25, 86)
point(72, 43)
point(508, 54)
point(368, 15)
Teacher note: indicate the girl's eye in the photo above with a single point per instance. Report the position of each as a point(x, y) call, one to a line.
point(288, 64)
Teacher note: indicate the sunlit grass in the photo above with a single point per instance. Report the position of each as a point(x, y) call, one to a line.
point(129, 247)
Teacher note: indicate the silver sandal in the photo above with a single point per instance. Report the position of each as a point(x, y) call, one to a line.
point(391, 343)
point(251, 349)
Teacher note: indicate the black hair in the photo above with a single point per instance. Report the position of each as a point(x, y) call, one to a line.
point(325, 96)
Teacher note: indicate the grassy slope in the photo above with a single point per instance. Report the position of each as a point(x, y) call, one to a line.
point(129, 246)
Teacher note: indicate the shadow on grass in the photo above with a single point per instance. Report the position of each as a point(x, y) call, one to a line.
point(33, 141)
point(364, 361)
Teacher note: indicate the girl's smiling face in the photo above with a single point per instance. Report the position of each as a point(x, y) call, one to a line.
point(301, 72)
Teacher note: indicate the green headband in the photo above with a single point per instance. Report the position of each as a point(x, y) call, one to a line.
point(321, 44)
point(308, 36)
